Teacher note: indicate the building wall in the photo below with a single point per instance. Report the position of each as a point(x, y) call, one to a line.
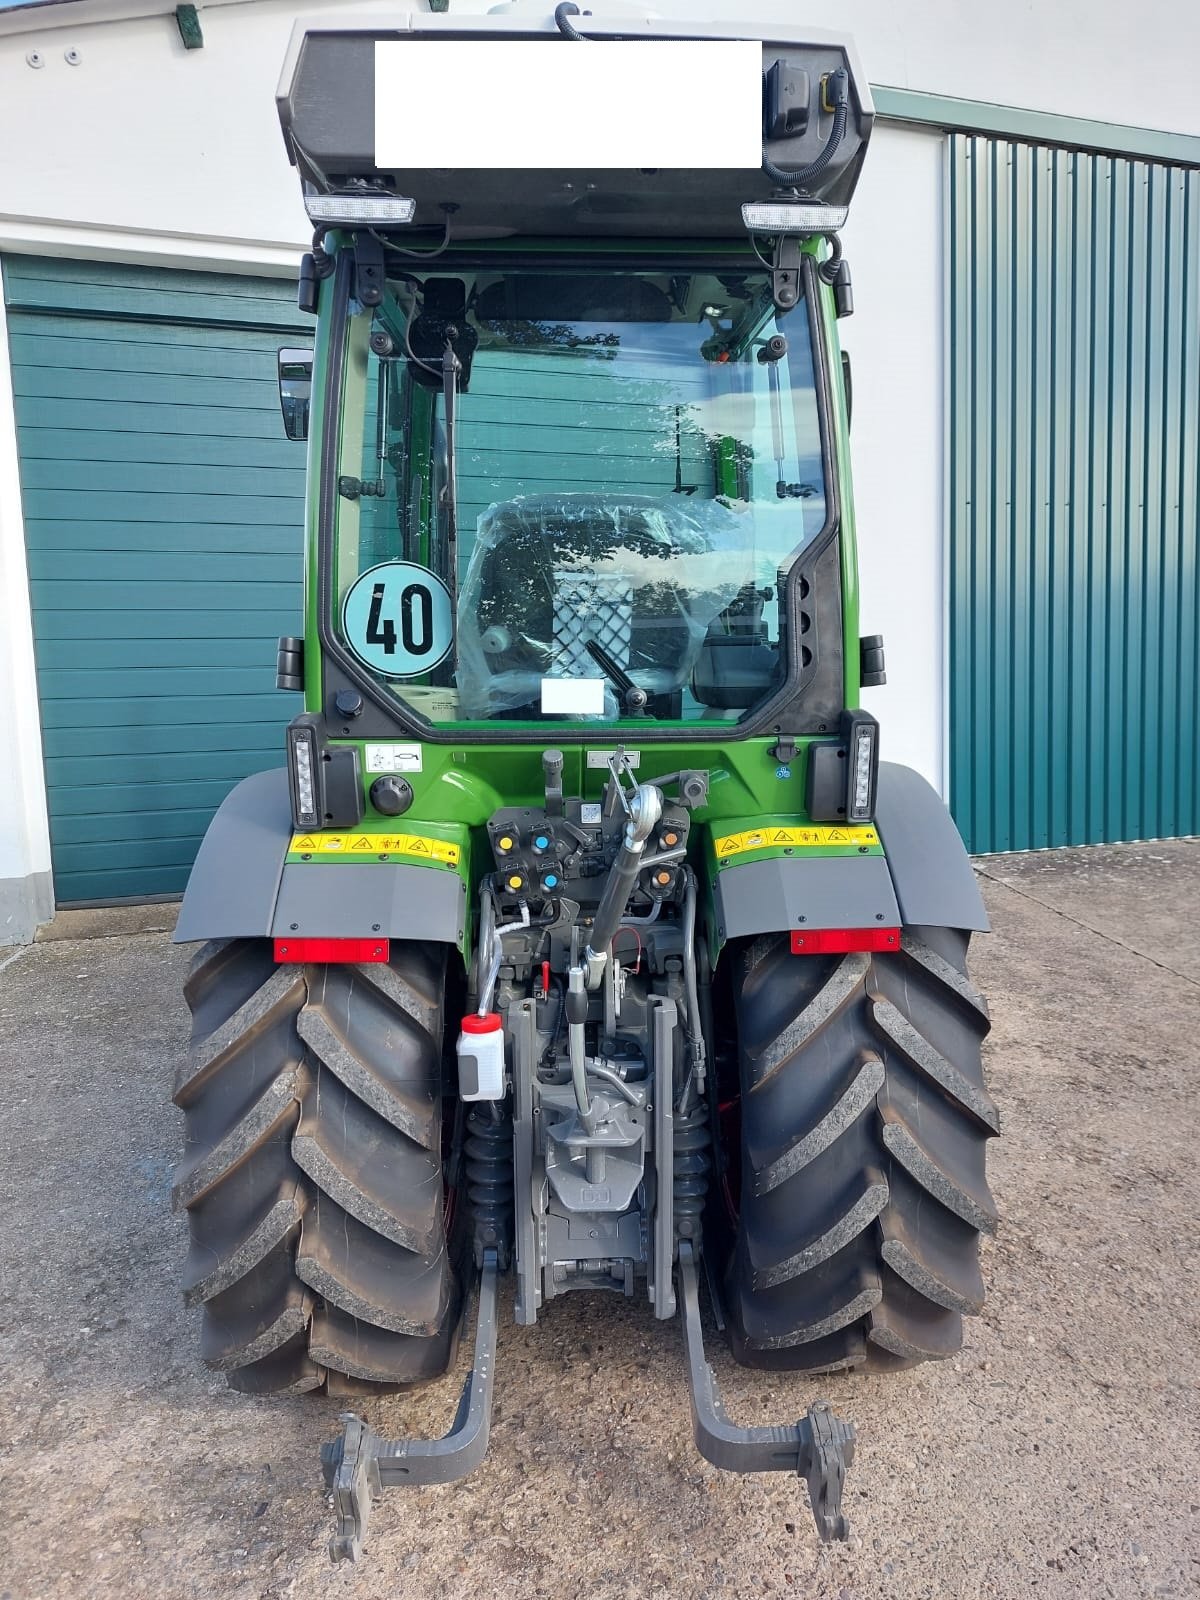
point(25, 893)
point(894, 245)
point(148, 152)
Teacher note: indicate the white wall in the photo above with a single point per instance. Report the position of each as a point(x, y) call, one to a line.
point(893, 243)
point(25, 897)
point(1102, 59)
point(144, 138)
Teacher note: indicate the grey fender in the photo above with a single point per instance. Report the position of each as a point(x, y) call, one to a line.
point(241, 886)
point(789, 892)
point(923, 878)
point(930, 868)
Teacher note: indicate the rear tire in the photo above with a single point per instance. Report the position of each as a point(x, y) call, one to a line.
point(864, 1122)
point(312, 1170)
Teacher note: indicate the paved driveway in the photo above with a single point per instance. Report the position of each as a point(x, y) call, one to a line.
point(1057, 1456)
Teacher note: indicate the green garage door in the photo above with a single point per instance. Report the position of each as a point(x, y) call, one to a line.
point(1074, 498)
point(163, 513)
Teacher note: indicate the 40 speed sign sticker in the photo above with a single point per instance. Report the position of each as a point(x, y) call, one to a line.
point(398, 618)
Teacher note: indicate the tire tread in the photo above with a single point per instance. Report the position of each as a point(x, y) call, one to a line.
point(311, 1173)
point(864, 1125)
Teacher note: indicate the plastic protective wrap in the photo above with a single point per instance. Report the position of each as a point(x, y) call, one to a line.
point(643, 577)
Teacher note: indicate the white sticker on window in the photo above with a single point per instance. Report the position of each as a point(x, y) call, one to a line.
point(393, 758)
point(573, 697)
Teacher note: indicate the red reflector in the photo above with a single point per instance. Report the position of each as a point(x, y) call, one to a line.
point(331, 950)
point(838, 941)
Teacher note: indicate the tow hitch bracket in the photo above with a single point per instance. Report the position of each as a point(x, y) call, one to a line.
point(820, 1447)
point(360, 1465)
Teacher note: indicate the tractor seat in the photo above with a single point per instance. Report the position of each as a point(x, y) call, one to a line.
point(641, 576)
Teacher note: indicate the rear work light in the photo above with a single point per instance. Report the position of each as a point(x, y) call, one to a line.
point(864, 768)
point(780, 216)
point(840, 941)
point(363, 210)
point(327, 950)
point(302, 773)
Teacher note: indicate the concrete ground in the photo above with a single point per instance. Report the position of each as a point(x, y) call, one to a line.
point(1058, 1455)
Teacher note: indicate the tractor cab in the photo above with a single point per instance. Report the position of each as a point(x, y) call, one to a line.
point(581, 426)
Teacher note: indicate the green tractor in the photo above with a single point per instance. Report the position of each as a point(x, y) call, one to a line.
point(584, 942)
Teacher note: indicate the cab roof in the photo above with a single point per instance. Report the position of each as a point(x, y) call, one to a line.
point(327, 106)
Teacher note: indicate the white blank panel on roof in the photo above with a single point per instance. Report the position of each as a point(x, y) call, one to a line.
point(619, 104)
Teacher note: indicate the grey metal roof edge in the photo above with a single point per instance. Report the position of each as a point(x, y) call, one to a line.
point(1035, 127)
point(411, 20)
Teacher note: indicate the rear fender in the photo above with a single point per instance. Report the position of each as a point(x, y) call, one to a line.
point(923, 878)
point(931, 871)
point(242, 886)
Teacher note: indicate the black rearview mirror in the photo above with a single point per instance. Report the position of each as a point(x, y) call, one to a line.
point(295, 390)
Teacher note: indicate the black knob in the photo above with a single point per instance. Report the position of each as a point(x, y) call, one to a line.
point(391, 796)
point(348, 703)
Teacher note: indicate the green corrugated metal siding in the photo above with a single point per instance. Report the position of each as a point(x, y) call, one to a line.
point(163, 513)
point(1074, 435)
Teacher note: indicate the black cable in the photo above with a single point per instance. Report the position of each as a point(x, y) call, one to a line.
point(770, 265)
point(830, 268)
point(415, 255)
point(547, 1056)
point(804, 175)
point(561, 13)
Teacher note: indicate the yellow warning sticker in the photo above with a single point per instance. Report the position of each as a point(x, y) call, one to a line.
point(813, 836)
point(323, 846)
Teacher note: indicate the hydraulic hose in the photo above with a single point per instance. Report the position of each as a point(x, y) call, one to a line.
point(487, 929)
point(494, 946)
point(689, 954)
point(601, 1069)
point(561, 14)
point(691, 994)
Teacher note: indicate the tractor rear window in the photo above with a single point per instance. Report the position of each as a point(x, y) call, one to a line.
point(569, 496)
